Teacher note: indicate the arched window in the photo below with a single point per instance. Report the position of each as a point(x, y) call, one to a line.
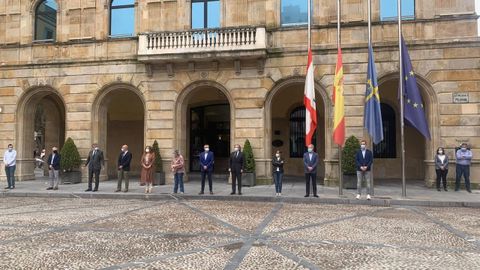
point(387, 148)
point(297, 132)
point(122, 18)
point(46, 20)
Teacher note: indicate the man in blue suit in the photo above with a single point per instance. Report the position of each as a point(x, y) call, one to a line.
point(206, 167)
point(363, 161)
point(310, 162)
point(53, 163)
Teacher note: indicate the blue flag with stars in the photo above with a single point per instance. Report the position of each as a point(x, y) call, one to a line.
point(372, 120)
point(414, 110)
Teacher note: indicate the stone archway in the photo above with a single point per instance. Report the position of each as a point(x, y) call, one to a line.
point(40, 124)
point(281, 100)
point(418, 150)
point(119, 118)
point(211, 104)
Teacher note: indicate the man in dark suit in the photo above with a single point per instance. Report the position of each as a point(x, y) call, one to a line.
point(53, 162)
point(124, 160)
point(310, 162)
point(236, 169)
point(95, 162)
point(363, 161)
point(206, 167)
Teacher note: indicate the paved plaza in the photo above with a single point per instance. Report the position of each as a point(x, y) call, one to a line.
point(77, 233)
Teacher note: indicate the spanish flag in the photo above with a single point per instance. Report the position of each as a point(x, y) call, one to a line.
point(338, 101)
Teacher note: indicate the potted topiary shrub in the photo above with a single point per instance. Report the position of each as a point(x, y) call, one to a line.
point(349, 167)
point(248, 177)
point(70, 163)
point(159, 174)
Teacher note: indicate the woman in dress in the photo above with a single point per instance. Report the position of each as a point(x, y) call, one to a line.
point(178, 169)
point(146, 177)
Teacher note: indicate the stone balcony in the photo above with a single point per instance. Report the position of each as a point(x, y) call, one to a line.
point(202, 45)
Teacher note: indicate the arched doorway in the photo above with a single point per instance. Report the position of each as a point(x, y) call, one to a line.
point(285, 128)
point(40, 125)
point(417, 148)
point(119, 118)
point(206, 114)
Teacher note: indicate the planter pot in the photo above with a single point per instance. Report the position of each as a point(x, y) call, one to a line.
point(248, 179)
point(71, 177)
point(159, 179)
point(350, 181)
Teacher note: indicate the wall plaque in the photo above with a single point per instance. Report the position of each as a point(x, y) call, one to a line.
point(460, 98)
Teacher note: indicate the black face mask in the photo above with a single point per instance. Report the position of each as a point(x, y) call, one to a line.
point(55, 152)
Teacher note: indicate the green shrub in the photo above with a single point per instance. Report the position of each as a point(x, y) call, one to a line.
point(248, 156)
point(158, 158)
point(70, 158)
point(348, 155)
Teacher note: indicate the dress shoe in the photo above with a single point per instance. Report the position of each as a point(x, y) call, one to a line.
point(438, 189)
point(239, 193)
point(118, 190)
point(232, 193)
point(445, 189)
point(7, 187)
point(49, 188)
point(306, 195)
point(125, 190)
point(211, 192)
point(87, 190)
point(200, 193)
point(469, 191)
point(95, 190)
point(316, 196)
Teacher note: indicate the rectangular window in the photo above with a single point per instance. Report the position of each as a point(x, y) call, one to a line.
point(205, 14)
point(122, 18)
point(294, 12)
point(388, 10)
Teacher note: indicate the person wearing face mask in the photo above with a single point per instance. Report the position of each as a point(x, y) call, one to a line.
point(95, 162)
point(207, 160)
point(9, 160)
point(441, 168)
point(123, 164)
point(53, 162)
point(464, 158)
point(178, 169)
point(236, 163)
point(310, 162)
point(277, 164)
point(363, 161)
point(146, 176)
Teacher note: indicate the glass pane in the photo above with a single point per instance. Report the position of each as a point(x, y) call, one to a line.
point(122, 22)
point(198, 12)
point(213, 16)
point(294, 12)
point(46, 20)
point(116, 3)
point(388, 10)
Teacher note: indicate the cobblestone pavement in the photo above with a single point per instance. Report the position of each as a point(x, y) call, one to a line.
point(55, 233)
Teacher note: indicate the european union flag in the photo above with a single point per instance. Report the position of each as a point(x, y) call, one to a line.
point(414, 110)
point(372, 120)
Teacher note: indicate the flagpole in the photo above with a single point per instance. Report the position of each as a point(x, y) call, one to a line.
point(400, 72)
point(309, 24)
point(369, 11)
point(340, 172)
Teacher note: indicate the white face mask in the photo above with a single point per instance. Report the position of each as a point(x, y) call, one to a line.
point(310, 150)
point(147, 150)
point(123, 150)
point(236, 149)
point(207, 149)
point(440, 152)
point(96, 148)
point(10, 149)
point(363, 146)
point(464, 149)
point(277, 155)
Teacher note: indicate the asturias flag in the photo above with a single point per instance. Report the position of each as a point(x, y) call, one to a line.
point(372, 120)
point(309, 101)
point(338, 101)
point(414, 110)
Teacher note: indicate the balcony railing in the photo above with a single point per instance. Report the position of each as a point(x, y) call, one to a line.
point(202, 40)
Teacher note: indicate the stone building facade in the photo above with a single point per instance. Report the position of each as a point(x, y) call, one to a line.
point(241, 80)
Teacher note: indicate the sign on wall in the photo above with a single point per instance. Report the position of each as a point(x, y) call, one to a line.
point(460, 98)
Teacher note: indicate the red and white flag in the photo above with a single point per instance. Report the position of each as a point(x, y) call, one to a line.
point(309, 101)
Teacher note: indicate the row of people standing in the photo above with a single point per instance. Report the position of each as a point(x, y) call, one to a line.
point(463, 157)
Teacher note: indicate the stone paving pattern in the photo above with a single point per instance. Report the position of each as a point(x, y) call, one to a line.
point(56, 233)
